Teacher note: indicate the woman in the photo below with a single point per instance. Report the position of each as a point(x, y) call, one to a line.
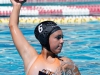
point(50, 37)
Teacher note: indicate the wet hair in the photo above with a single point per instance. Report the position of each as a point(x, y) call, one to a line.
point(43, 30)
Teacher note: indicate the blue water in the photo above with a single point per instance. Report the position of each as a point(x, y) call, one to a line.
point(82, 45)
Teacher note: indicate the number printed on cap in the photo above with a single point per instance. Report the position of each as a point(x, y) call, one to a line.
point(40, 29)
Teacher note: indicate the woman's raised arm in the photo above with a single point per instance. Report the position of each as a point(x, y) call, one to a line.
point(26, 51)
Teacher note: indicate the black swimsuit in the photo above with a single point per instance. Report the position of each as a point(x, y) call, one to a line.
point(46, 72)
point(42, 73)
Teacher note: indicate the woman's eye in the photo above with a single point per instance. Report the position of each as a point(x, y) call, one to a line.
point(59, 37)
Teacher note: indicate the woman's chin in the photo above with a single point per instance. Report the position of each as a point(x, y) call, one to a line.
point(58, 51)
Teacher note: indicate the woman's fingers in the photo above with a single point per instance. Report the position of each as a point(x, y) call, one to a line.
point(16, 2)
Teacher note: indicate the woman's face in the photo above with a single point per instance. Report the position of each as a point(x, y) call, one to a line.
point(56, 41)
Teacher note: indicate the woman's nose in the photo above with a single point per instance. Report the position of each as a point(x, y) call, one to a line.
point(61, 40)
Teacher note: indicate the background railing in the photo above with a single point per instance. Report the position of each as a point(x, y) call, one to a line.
point(53, 8)
point(48, 1)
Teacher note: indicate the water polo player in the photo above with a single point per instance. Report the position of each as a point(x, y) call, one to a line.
point(50, 36)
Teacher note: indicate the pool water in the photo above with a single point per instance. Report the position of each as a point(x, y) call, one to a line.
point(81, 44)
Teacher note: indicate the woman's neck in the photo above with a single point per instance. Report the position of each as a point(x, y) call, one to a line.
point(48, 56)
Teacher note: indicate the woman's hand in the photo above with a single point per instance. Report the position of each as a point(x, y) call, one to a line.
point(68, 67)
point(17, 2)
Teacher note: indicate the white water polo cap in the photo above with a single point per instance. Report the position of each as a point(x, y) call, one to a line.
point(43, 30)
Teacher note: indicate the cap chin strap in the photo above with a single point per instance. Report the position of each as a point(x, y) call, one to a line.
point(48, 47)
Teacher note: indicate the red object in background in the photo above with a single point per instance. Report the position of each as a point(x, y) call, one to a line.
point(0, 13)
